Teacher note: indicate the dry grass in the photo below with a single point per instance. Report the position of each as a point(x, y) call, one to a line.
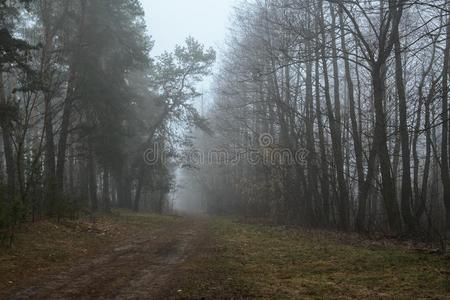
point(240, 261)
point(258, 261)
point(47, 247)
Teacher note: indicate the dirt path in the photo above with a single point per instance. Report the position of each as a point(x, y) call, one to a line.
point(143, 268)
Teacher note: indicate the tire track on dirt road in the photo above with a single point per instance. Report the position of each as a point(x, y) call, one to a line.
point(143, 268)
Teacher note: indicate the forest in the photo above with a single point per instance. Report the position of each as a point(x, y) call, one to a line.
point(327, 127)
point(81, 101)
point(362, 87)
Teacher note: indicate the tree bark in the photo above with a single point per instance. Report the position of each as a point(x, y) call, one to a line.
point(445, 176)
point(92, 180)
point(406, 192)
point(357, 144)
point(325, 180)
point(388, 185)
point(47, 75)
point(312, 159)
point(64, 135)
point(106, 190)
point(422, 196)
point(140, 183)
point(68, 104)
point(5, 124)
point(335, 128)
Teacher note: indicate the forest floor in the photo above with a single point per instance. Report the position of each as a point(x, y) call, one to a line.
point(254, 261)
point(130, 256)
point(157, 257)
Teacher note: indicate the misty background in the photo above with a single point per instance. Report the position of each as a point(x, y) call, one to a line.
point(207, 21)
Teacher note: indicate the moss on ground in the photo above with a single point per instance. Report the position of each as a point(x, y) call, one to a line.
point(266, 262)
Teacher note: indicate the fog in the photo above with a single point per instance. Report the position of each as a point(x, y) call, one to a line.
point(188, 196)
point(207, 21)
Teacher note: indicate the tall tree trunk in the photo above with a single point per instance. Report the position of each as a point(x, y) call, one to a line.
point(71, 165)
point(406, 192)
point(422, 197)
point(49, 92)
point(119, 183)
point(357, 144)
point(92, 180)
point(335, 128)
point(140, 183)
point(445, 176)
point(388, 184)
point(119, 176)
point(360, 222)
point(5, 124)
point(64, 135)
point(421, 194)
point(324, 182)
point(49, 159)
point(312, 159)
point(106, 190)
point(83, 179)
point(68, 103)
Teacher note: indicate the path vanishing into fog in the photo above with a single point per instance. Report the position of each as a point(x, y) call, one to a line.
point(142, 268)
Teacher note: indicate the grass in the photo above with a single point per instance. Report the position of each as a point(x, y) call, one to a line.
point(48, 246)
point(265, 262)
point(239, 261)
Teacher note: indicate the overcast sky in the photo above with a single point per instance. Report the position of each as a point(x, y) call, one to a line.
point(171, 21)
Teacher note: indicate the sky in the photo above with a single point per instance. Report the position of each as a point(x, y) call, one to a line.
point(171, 21)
